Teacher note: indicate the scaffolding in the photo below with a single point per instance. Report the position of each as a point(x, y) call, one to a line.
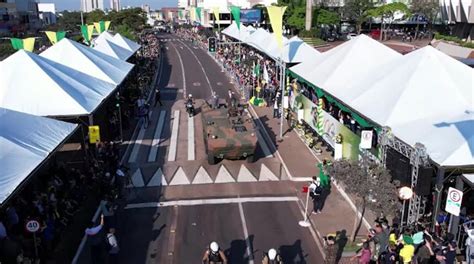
point(418, 157)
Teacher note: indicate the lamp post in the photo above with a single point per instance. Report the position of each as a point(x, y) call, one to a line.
point(405, 193)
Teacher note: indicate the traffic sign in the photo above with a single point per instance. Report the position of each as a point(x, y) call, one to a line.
point(453, 201)
point(32, 226)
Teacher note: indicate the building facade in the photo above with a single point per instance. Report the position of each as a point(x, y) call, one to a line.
point(91, 5)
point(460, 15)
point(18, 16)
point(47, 13)
point(115, 5)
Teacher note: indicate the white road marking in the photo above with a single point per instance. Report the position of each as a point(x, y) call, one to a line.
point(137, 179)
point(223, 176)
point(174, 137)
point(179, 178)
point(263, 144)
point(191, 154)
point(213, 201)
point(182, 70)
point(266, 174)
point(136, 146)
point(158, 179)
point(246, 233)
point(157, 137)
point(245, 175)
point(202, 177)
point(202, 68)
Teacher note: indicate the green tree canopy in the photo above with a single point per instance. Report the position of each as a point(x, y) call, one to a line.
point(95, 16)
point(322, 16)
point(69, 21)
point(357, 11)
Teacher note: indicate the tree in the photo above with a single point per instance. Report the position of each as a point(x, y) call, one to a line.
point(325, 17)
point(297, 18)
point(370, 183)
point(69, 21)
point(357, 11)
point(427, 8)
point(134, 19)
point(388, 11)
point(95, 16)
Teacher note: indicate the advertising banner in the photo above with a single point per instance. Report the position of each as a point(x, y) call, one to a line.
point(250, 16)
point(331, 127)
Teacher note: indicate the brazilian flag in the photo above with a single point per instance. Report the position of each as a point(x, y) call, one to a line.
point(27, 44)
point(55, 37)
point(87, 31)
point(101, 26)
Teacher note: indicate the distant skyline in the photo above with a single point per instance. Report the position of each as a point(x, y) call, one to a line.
point(76, 4)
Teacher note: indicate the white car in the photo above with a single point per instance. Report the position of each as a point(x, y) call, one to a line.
point(351, 35)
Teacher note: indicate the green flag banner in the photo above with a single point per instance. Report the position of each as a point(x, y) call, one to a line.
point(55, 37)
point(180, 14)
point(101, 26)
point(235, 11)
point(27, 44)
point(87, 32)
point(198, 13)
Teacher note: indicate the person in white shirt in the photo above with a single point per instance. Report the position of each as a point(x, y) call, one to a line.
point(113, 247)
point(92, 233)
point(315, 191)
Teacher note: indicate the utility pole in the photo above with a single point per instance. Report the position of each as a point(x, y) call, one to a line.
point(309, 14)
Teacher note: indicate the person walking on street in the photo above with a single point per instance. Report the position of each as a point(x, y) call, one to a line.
point(214, 255)
point(272, 257)
point(93, 234)
point(158, 97)
point(315, 191)
point(112, 246)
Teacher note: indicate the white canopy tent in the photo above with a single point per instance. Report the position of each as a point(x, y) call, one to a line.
point(25, 142)
point(335, 70)
point(89, 61)
point(126, 43)
point(240, 35)
point(110, 48)
point(259, 39)
point(427, 97)
point(36, 85)
point(102, 37)
point(295, 50)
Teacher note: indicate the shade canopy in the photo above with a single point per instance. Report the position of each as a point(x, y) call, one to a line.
point(240, 35)
point(296, 50)
point(126, 43)
point(335, 70)
point(105, 43)
point(36, 85)
point(25, 142)
point(89, 61)
point(425, 96)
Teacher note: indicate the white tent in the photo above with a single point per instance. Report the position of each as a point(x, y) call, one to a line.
point(240, 35)
point(259, 39)
point(102, 37)
point(427, 97)
point(126, 43)
point(110, 48)
point(296, 50)
point(35, 85)
point(89, 61)
point(336, 69)
point(25, 142)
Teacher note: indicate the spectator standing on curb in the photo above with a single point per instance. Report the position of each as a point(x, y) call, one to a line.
point(381, 238)
point(112, 246)
point(93, 233)
point(469, 245)
point(330, 250)
point(315, 191)
point(364, 254)
point(408, 250)
point(158, 97)
point(425, 252)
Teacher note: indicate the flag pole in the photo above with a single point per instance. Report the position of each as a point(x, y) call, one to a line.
point(305, 222)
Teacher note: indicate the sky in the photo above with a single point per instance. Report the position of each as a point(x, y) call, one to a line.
point(75, 4)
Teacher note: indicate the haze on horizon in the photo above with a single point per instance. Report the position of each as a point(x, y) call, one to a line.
point(74, 5)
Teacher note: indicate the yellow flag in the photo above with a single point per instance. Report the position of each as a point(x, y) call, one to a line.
point(51, 36)
point(107, 25)
point(192, 14)
point(90, 30)
point(29, 44)
point(276, 19)
point(216, 11)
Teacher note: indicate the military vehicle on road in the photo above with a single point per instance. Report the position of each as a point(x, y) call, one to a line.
point(229, 133)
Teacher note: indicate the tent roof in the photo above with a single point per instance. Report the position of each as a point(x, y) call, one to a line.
point(50, 89)
point(110, 48)
point(88, 61)
point(233, 31)
point(258, 39)
point(334, 69)
point(425, 96)
point(296, 50)
point(104, 36)
point(25, 142)
point(126, 43)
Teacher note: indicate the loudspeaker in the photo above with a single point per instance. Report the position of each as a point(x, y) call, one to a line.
point(399, 167)
point(425, 176)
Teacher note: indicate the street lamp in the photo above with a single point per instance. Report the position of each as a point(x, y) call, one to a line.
point(405, 193)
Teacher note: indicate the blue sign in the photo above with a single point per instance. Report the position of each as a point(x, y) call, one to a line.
point(250, 16)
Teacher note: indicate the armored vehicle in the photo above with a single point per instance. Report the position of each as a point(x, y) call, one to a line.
point(228, 133)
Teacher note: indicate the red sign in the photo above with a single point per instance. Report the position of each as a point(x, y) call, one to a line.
point(305, 189)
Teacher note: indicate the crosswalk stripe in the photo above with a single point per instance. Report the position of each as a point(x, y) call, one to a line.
point(191, 154)
point(136, 146)
point(157, 137)
point(202, 177)
point(179, 178)
point(266, 174)
point(158, 179)
point(263, 144)
point(245, 175)
point(223, 176)
point(174, 137)
point(137, 179)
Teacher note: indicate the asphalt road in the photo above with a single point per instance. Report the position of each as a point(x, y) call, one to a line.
point(167, 159)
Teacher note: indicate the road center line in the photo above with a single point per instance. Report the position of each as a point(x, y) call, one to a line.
point(202, 67)
point(174, 137)
point(182, 71)
point(157, 137)
point(212, 201)
point(191, 154)
point(246, 233)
